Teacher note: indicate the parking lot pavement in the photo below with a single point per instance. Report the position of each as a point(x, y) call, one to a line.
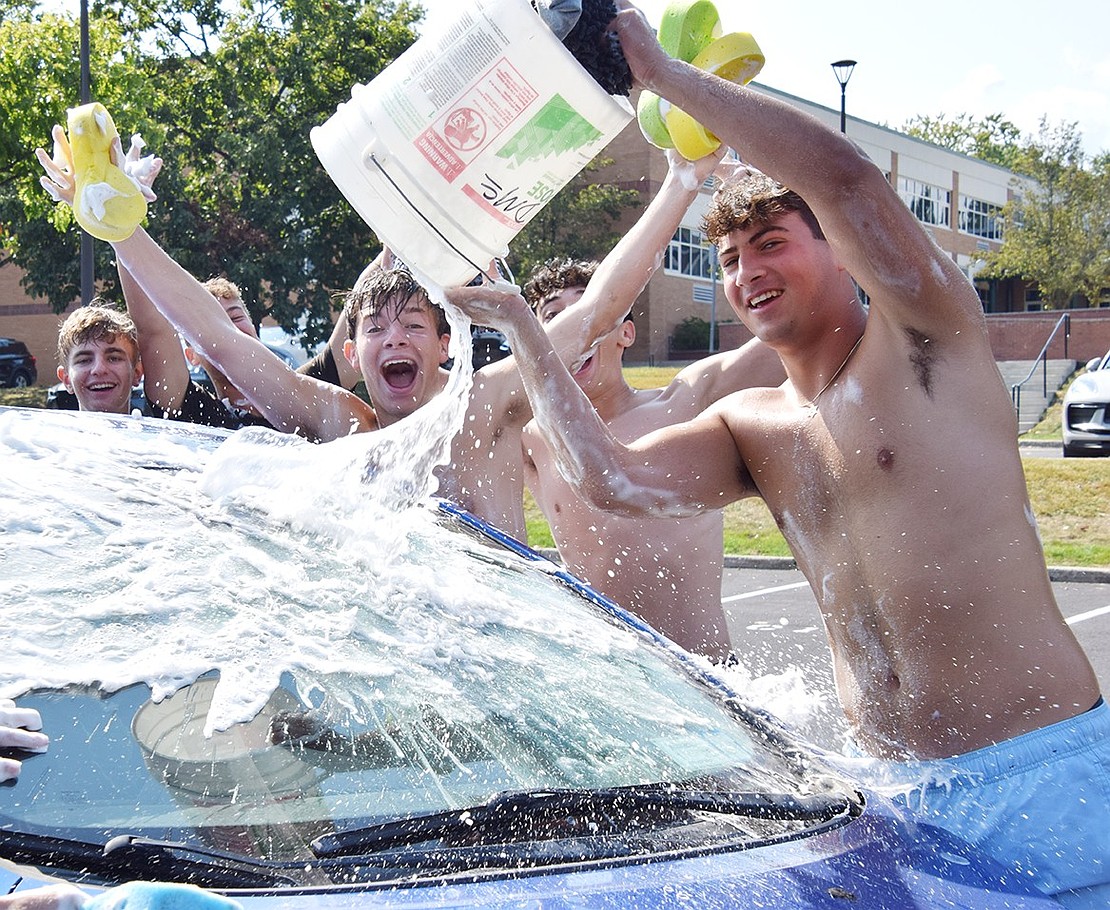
point(778, 635)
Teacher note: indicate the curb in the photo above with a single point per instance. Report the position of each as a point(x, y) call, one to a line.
point(1080, 574)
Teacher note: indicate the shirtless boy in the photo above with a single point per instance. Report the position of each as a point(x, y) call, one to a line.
point(889, 458)
point(667, 571)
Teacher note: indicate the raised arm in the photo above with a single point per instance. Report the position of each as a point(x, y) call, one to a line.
point(653, 476)
point(625, 271)
point(872, 231)
point(165, 372)
point(290, 402)
point(617, 282)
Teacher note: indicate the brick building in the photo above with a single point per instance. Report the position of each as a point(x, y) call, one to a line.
point(959, 198)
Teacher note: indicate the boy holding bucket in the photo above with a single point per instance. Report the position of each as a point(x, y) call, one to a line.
point(889, 458)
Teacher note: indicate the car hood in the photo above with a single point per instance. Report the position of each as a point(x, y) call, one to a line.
point(1090, 387)
point(877, 863)
point(535, 681)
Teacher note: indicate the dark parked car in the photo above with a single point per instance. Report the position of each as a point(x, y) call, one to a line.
point(489, 346)
point(284, 698)
point(17, 364)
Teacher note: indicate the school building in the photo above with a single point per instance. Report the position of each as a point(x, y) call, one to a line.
point(958, 198)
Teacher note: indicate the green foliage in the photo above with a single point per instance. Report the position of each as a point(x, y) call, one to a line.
point(39, 80)
point(990, 138)
point(1058, 225)
point(226, 95)
point(692, 334)
point(579, 223)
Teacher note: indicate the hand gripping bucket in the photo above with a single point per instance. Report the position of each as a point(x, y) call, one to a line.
point(460, 141)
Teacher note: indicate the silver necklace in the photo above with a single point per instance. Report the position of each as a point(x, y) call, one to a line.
point(832, 379)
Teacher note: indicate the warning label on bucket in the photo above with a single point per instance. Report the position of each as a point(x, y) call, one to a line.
point(478, 116)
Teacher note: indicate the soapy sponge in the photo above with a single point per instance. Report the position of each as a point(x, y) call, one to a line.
point(107, 202)
point(690, 30)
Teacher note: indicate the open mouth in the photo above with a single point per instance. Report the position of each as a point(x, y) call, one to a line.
point(583, 366)
point(399, 374)
point(754, 303)
point(100, 386)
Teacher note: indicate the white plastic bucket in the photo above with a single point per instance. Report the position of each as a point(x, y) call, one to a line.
point(459, 142)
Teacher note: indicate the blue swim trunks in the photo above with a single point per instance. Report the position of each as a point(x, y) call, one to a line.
point(1038, 803)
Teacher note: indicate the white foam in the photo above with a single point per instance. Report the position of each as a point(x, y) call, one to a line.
point(144, 559)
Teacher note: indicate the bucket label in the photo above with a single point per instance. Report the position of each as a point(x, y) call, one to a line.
point(477, 117)
point(557, 128)
point(554, 130)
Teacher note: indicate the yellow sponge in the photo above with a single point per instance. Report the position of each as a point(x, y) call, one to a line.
point(107, 203)
point(734, 57)
point(690, 30)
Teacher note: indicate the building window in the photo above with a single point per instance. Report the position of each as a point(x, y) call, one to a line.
point(931, 204)
point(687, 254)
point(980, 219)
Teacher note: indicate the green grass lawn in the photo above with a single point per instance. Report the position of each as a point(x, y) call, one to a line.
point(1069, 495)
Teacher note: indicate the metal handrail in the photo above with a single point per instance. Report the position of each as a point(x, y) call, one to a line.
point(1042, 359)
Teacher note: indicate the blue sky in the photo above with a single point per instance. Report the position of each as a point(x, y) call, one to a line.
point(1020, 59)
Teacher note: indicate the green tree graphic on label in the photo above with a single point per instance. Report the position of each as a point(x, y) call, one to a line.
point(556, 128)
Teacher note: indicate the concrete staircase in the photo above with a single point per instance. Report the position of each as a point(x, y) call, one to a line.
point(1034, 402)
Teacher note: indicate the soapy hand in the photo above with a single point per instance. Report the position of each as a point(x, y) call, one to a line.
point(58, 180)
point(694, 173)
point(494, 303)
point(143, 169)
point(53, 897)
point(20, 729)
point(690, 30)
point(88, 171)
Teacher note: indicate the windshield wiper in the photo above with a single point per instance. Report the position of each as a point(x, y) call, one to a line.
point(520, 815)
point(149, 859)
point(127, 857)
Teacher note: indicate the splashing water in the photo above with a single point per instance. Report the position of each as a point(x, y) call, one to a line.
point(119, 542)
point(363, 477)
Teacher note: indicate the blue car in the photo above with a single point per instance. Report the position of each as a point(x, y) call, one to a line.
point(299, 703)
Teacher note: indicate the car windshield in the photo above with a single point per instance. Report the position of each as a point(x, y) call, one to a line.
point(240, 690)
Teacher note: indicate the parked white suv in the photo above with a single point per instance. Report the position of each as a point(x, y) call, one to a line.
point(1086, 420)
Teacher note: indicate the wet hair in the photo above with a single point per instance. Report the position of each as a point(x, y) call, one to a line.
point(222, 289)
point(751, 200)
point(388, 291)
point(99, 321)
point(557, 275)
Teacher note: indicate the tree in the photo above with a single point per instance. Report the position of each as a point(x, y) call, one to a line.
point(991, 138)
point(1058, 224)
point(692, 334)
point(39, 79)
point(227, 96)
point(578, 223)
